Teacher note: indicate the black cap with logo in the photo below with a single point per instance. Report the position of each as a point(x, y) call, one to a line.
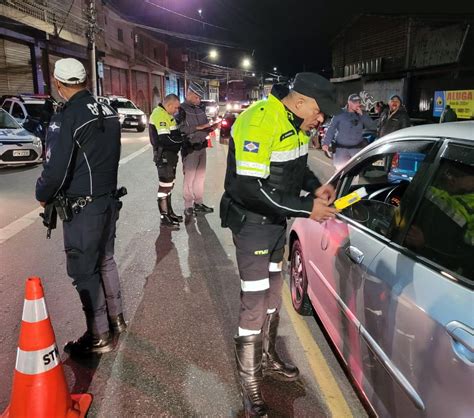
point(320, 89)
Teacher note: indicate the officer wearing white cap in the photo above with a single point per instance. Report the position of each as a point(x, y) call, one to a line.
point(345, 131)
point(266, 172)
point(195, 127)
point(81, 165)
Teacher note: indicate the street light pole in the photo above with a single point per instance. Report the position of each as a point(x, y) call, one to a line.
point(92, 19)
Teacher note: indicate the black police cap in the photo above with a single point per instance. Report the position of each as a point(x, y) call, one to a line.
point(320, 89)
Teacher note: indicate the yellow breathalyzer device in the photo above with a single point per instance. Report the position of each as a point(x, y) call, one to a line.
point(349, 199)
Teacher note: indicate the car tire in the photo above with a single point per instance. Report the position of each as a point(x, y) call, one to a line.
point(299, 281)
point(140, 128)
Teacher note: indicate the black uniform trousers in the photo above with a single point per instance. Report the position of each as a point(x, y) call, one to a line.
point(259, 250)
point(89, 240)
point(166, 165)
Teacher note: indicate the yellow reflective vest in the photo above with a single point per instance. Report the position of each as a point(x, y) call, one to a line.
point(267, 162)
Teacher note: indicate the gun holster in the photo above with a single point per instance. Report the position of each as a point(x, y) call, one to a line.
point(232, 215)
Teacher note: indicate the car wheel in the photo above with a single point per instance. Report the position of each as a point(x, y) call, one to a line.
point(299, 281)
point(140, 129)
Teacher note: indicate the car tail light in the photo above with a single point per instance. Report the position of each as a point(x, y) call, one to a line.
point(395, 160)
point(224, 123)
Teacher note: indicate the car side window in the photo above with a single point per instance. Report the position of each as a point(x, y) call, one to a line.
point(443, 228)
point(17, 111)
point(6, 106)
point(384, 177)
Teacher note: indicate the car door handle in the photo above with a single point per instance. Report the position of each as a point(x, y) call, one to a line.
point(463, 337)
point(356, 255)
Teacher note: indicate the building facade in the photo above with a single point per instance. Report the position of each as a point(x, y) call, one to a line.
point(412, 56)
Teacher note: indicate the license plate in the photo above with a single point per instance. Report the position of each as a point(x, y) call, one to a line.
point(379, 163)
point(134, 123)
point(21, 153)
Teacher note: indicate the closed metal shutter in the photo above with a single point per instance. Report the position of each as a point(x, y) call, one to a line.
point(140, 90)
point(16, 73)
point(156, 90)
point(115, 81)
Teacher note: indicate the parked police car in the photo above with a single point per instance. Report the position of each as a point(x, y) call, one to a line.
point(130, 115)
point(17, 145)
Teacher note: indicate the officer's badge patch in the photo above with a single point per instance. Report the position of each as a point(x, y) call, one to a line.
point(162, 123)
point(251, 146)
point(53, 126)
point(287, 135)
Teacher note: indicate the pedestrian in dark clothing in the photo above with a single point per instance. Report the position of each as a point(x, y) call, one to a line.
point(195, 127)
point(393, 118)
point(448, 115)
point(345, 132)
point(83, 152)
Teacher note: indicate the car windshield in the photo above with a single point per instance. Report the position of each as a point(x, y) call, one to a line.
point(34, 109)
point(7, 122)
point(122, 104)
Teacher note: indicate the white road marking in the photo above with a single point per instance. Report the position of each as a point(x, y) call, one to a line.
point(135, 154)
point(25, 221)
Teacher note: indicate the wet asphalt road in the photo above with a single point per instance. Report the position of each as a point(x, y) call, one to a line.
point(180, 289)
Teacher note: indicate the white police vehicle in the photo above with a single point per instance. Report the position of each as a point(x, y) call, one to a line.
point(130, 115)
point(25, 106)
point(17, 145)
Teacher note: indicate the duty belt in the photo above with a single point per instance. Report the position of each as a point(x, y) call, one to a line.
point(80, 202)
point(255, 218)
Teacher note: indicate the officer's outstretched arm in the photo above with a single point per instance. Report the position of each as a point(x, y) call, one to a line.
point(259, 197)
point(59, 157)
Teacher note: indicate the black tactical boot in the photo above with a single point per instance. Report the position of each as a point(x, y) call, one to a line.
point(164, 215)
point(248, 354)
point(202, 208)
point(271, 362)
point(172, 215)
point(117, 324)
point(90, 343)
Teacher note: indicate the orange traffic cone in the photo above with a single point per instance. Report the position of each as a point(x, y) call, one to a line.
point(209, 141)
point(39, 387)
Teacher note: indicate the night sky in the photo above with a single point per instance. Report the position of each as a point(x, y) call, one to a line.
point(293, 35)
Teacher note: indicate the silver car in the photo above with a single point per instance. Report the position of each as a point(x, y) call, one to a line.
point(392, 277)
point(17, 145)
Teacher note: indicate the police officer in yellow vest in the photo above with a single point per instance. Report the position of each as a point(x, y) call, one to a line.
point(266, 172)
point(166, 141)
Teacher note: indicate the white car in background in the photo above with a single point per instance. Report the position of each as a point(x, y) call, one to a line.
point(17, 145)
point(130, 115)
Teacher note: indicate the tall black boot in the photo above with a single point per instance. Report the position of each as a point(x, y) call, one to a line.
point(164, 215)
point(271, 362)
point(172, 215)
point(248, 354)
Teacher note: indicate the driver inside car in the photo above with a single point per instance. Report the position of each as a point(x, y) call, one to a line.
point(448, 204)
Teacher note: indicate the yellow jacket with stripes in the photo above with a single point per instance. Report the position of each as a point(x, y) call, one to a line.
point(267, 162)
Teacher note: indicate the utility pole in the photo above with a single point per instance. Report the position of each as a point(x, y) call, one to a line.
point(91, 31)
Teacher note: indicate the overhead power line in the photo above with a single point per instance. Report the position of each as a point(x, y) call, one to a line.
point(202, 22)
point(180, 35)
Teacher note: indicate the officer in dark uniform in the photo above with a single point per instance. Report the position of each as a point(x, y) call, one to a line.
point(266, 172)
point(83, 152)
point(166, 140)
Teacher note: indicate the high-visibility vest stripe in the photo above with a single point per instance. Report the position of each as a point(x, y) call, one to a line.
point(275, 267)
point(34, 310)
point(36, 362)
point(255, 285)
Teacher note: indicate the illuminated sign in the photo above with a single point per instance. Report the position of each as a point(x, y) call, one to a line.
point(461, 101)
